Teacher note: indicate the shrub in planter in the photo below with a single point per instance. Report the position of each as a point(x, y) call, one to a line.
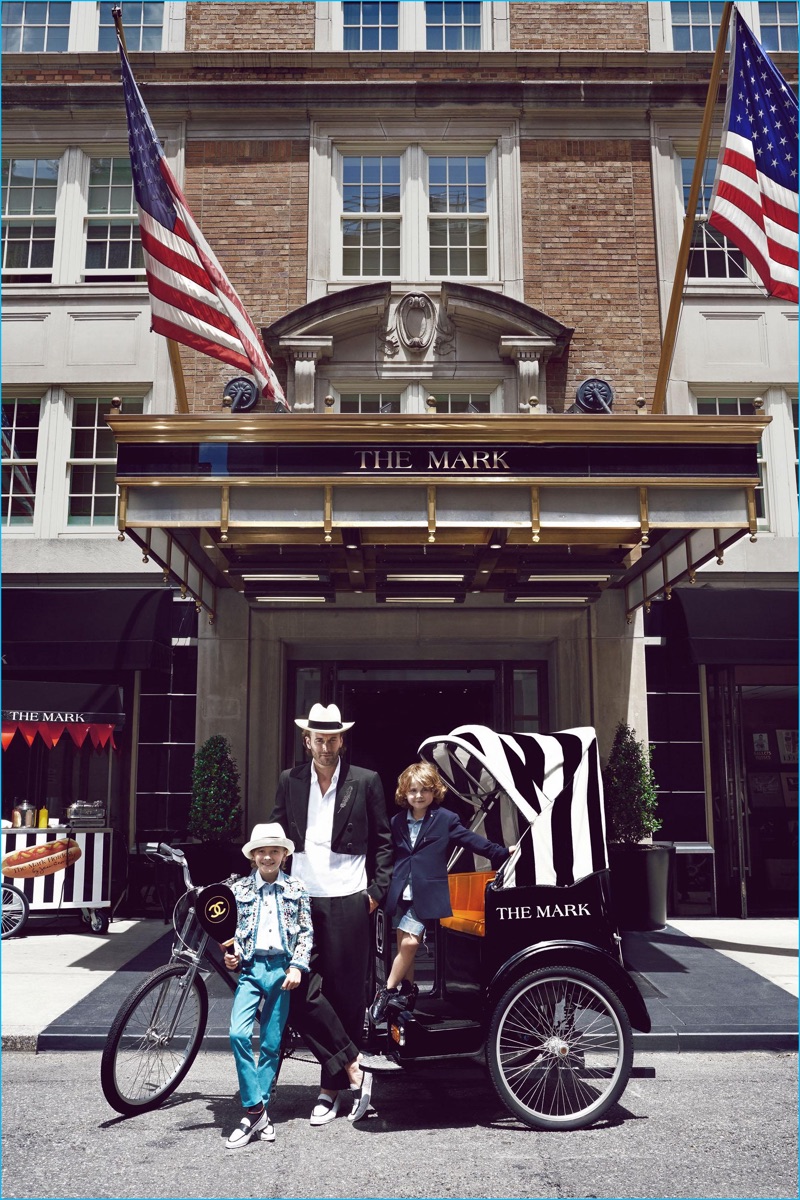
point(215, 815)
point(639, 872)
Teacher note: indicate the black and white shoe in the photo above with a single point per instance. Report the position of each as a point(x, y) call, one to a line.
point(325, 1109)
point(267, 1134)
point(248, 1128)
point(361, 1098)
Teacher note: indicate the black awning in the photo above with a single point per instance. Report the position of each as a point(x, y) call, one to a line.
point(734, 625)
point(55, 703)
point(86, 629)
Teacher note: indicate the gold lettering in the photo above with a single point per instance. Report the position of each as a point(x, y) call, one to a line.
point(433, 461)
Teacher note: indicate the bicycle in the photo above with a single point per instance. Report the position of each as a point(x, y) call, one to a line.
point(15, 910)
point(159, 1028)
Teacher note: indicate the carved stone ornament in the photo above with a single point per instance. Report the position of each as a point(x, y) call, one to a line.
point(386, 343)
point(416, 322)
point(445, 335)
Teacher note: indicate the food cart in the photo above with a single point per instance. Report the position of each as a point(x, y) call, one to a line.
point(84, 885)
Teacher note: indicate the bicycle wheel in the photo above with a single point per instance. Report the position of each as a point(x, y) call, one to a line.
point(15, 910)
point(560, 1048)
point(154, 1040)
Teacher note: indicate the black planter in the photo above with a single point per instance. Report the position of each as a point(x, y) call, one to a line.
point(639, 884)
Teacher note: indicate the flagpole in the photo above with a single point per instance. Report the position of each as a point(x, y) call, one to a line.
point(673, 313)
point(178, 379)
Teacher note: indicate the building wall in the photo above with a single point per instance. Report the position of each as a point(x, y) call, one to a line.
point(579, 26)
point(215, 27)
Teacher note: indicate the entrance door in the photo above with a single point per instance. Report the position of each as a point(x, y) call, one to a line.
point(394, 715)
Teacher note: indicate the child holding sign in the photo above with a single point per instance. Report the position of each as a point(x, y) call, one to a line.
point(272, 946)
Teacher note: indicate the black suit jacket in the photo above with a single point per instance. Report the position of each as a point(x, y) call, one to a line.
point(360, 823)
point(426, 864)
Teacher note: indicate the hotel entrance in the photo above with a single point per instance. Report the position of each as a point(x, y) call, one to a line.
point(395, 707)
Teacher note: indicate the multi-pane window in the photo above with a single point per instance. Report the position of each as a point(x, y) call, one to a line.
point(20, 438)
point(778, 24)
point(462, 402)
point(453, 25)
point(695, 24)
point(458, 230)
point(733, 406)
point(794, 445)
point(112, 230)
point(31, 27)
point(29, 187)
point(143, 25)
point(92, 463)
point(369, 402)
point(370, 238)
point(370, 26)
point(711, 256)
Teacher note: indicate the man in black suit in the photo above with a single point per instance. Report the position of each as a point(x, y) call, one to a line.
point(336, 816)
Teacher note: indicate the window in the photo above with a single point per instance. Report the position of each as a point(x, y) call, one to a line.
point(143, 24)
point(456, 187)
point(453, 25)
point(369, 402)
point(711, 256)
point(20, 440)
point(92, 463)
point(371, 241)
point(112, 231)
point(31, 27)
point(778, 23)
point(732, 406)
point(794, 447)
point(463, 402)
point(370, 26)
point(415, 215)
point(695, 24)
point(30, 187)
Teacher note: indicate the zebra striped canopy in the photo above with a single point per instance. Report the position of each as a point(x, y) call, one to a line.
point(547, 784)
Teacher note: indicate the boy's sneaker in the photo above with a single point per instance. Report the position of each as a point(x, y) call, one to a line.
point(267, 1134)
point(248, 1128)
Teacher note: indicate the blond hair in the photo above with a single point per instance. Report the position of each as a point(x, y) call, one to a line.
point(423, 775)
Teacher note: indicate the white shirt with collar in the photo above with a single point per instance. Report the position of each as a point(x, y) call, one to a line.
point(268, 934)
point(322, 870)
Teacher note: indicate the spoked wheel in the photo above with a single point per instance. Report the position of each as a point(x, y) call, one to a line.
point(560, 1048)
point(15, 910)
point(154, 1040)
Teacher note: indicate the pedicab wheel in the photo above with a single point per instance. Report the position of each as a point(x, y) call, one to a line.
point(560, 1048)
point(15, 910)
point(154, 1040)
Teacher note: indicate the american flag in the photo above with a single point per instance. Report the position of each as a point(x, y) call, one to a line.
point(754, 201)
point(191, 298)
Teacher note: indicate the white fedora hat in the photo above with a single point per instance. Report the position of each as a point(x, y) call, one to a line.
point(267, 835)
point(324, 720)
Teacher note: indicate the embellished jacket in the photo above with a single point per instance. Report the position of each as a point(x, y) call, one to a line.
point(294, 918)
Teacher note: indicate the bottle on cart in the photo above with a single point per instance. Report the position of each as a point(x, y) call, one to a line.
point(42, 818)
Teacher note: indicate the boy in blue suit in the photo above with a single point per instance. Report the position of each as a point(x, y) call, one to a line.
point(422, 836)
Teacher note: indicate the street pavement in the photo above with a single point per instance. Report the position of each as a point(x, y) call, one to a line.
point(702, 1125)
point(708, 983)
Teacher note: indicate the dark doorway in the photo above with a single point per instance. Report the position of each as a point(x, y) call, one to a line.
point(392, 717)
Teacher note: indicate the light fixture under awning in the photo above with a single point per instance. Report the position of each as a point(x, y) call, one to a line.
point(49, 710)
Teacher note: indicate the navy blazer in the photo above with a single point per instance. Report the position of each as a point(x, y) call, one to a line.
point(426, 864)
point(360, 822)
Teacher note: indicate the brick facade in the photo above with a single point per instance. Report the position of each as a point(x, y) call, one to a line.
point(590, 260)
point(251, 201)
point(212, 27)
point(549, 26)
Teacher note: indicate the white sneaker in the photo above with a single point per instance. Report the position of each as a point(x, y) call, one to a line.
point(247, 1129)
point(325, 1109)
point(361, 1098)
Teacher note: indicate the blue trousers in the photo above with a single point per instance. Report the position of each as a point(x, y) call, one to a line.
point(261, 979)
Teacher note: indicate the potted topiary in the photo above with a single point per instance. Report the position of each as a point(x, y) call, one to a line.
point(639, 870)
point(215, 814)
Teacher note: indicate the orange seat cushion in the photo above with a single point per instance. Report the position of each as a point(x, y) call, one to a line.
point(467, 896)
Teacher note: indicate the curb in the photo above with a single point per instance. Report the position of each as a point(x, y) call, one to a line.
point(665, 1041)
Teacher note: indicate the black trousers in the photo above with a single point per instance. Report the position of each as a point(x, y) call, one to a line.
point(328, 1007)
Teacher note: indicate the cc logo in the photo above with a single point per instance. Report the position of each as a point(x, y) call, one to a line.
point(217, 910)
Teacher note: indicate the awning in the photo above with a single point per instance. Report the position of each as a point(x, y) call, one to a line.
point(51, 709)
point(86, 629)
point(734, 625)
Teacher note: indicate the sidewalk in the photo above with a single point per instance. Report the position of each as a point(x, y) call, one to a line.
point(708, 984)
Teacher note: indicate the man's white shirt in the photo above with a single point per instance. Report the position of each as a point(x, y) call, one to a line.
point(324, 872)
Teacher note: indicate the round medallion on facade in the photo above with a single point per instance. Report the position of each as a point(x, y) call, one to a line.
point(416, 321)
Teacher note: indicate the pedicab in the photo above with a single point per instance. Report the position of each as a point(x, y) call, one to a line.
point(528, 971)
